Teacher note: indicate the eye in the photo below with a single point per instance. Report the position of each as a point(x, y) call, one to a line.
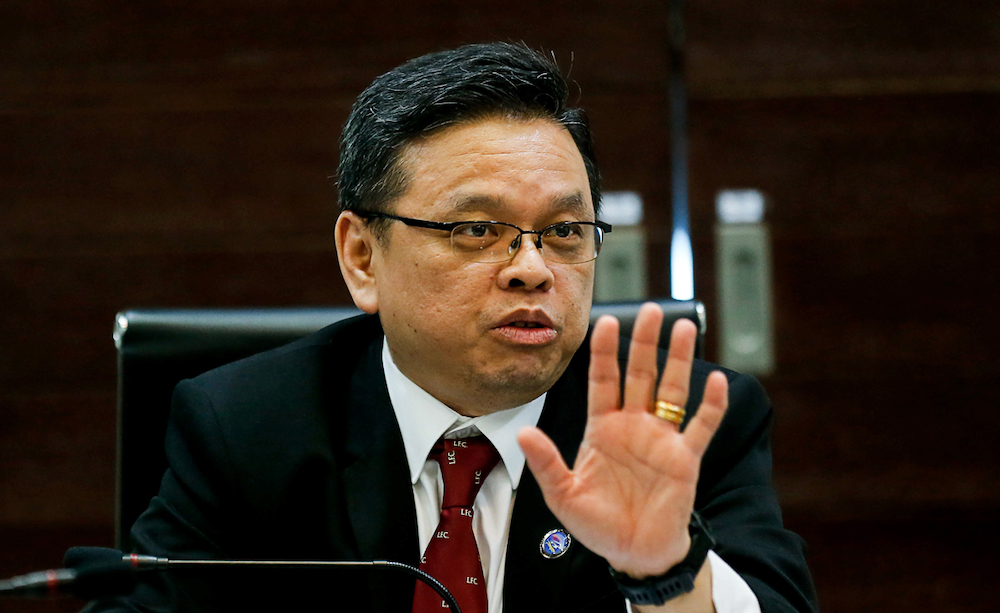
point(476, 230)
point(565, 231)
point(475, 235)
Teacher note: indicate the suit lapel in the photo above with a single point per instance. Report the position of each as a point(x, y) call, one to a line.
point(377, 488)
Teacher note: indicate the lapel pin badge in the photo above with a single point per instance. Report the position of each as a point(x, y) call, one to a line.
point(555, 543)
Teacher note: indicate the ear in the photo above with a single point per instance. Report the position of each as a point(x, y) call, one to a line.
point(357, 250)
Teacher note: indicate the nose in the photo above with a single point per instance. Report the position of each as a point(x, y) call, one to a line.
point(527, 269)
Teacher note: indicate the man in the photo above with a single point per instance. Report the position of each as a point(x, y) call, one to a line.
point(469, 195)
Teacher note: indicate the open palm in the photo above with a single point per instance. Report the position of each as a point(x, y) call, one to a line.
point(631, 491)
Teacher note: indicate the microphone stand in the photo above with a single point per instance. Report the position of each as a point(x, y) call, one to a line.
point(143, 562)
point(96, 572)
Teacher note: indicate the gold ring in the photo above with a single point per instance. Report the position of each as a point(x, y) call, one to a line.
point(669, 411)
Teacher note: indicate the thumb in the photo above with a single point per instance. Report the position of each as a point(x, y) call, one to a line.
point(545, 462)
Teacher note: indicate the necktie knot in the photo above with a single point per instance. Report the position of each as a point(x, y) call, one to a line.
point(465, 463)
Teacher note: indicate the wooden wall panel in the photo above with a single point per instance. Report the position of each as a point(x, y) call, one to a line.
point(57, 452)
point(179, 155)
point(841, 47)
point(885, 223)
point(166, 180)
point(903, 564)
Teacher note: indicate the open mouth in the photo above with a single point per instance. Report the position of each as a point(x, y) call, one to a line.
point(527, 319)
point(527, 329)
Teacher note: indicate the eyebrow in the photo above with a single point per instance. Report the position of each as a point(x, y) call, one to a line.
point(572, 203)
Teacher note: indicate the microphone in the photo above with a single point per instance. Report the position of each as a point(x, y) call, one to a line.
point(82, 556)
point(91, 579)
point(97, 572)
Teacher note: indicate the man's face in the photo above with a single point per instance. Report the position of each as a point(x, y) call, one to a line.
point(485, 337)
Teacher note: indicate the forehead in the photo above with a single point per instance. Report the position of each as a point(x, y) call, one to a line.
point(496, 166)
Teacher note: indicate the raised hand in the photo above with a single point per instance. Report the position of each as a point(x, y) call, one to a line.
point(631, 491)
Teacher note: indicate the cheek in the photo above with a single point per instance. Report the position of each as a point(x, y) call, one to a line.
point(578, 290)
point(445, 276)
point(438, 300)
point(577, 283)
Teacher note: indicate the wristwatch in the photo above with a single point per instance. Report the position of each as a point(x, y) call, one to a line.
point(676, 581)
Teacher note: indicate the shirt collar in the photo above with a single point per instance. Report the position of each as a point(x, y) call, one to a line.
point(423, 419)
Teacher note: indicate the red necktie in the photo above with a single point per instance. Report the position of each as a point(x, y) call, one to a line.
point(452, 556)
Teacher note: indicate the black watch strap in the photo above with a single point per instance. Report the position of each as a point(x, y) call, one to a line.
point(676, 581)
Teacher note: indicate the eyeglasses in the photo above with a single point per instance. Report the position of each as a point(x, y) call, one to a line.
point(566, 242)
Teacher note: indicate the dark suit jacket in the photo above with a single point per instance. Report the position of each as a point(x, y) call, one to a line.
point(296, 454)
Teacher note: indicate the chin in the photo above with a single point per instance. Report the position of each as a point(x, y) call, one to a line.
point(527, 378)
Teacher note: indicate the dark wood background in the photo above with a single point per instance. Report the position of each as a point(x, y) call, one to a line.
point(179, 154)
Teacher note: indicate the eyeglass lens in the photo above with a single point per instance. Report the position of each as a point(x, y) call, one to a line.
point(569, 243)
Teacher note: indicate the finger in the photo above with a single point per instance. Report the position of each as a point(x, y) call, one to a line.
point(545, 462)
point(700, 430)
point(676, 380)
point(602, 391)
point(640, 376)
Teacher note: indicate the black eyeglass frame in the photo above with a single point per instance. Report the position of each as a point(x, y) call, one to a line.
point(449, 226)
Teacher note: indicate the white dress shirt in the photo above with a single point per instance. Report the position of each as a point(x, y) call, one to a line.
point(423, 420)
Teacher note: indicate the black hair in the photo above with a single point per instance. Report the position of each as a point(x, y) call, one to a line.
point(442, 89)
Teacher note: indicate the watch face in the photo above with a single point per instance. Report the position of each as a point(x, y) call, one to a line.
point(555, 543)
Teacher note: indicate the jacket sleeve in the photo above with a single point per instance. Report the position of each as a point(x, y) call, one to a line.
point(736, 497)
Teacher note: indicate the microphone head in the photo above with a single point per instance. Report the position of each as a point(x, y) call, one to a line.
point(77, 556)
point(100, 572)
